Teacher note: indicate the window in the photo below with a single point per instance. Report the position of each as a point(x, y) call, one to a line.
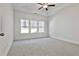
point(41, 26)
point(24, 26)
point(33, 26)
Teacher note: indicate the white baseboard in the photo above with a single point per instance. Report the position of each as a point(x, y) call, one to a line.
point(64, 39)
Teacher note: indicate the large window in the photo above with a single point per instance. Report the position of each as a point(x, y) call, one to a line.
point(32, 26)
point(41, 26)
point(24, 26)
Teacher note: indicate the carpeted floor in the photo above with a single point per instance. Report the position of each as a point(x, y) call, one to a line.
point(43, 47)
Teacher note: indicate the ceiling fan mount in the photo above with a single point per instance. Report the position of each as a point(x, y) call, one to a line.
point(45, 6)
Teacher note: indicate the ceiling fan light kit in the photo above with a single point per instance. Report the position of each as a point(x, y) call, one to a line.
point(45, 6)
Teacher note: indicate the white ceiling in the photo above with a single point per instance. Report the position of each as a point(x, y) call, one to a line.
point(33, 8)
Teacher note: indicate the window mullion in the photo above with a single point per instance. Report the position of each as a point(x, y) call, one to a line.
point(38, 27)
point(29, 26)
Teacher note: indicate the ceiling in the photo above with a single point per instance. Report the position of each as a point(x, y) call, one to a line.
point(33, 8)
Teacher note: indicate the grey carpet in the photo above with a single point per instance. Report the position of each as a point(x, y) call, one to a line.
point(43, 47)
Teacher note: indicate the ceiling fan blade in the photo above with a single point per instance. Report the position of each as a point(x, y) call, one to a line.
point(51, 5)
point(40, 3)
point(46, 9)
point(40, 8)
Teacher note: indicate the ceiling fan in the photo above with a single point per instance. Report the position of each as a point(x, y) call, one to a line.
point(45, 6)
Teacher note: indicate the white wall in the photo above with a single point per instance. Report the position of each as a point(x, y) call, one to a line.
point(65, 24)
point(6, 12)
point(25, 15)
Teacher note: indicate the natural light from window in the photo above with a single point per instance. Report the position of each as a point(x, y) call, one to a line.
point(32, 26)
point(24, 26)
point(41, 26)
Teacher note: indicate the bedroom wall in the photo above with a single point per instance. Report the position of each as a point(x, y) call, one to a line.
point(6, 12)
point(25, 15)
point(65, 24)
